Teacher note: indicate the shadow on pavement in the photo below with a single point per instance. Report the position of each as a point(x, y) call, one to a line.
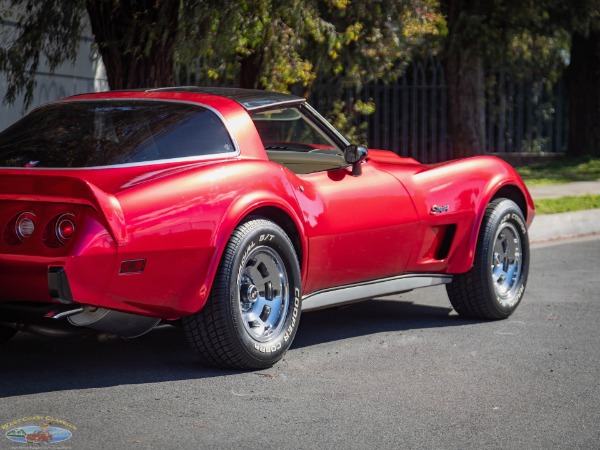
point(34, 364)
point(365, 318)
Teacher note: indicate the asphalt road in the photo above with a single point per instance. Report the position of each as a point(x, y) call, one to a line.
point(407, 373)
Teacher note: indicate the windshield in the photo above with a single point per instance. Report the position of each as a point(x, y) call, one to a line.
point(102, 133)
point(289, 129)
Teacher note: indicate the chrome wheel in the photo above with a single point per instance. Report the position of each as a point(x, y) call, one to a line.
point(264, 293)
point(255, 303)
point(506, 263)
point(493, 288)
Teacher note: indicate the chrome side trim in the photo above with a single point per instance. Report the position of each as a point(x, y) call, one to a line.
point(326, 124)
point(370, 289)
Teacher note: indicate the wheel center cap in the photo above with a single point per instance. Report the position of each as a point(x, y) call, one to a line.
point(252, 293)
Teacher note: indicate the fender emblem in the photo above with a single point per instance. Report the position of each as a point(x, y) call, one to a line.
point(435, 209)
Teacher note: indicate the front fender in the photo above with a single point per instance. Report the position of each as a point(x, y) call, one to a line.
point(507, 183)
point(465, 187)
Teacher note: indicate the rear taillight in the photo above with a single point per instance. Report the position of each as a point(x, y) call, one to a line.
point(25, 225)
point(64, 228)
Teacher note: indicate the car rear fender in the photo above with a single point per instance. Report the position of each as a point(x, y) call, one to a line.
point(275, 201)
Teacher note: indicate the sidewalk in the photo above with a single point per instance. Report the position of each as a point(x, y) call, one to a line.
point(548, 227)
point(565, 189)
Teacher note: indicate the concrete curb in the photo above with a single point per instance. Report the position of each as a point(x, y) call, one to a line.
point(547, 227)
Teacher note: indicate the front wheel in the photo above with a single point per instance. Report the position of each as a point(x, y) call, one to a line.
point(494, 286)
point(253, 310)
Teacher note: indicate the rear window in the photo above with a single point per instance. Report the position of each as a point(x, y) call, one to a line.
point(103, 133)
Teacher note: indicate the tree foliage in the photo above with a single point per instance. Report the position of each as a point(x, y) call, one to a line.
point(276, 44)
point(295, 45)
point(583, 74)
point(47, 30)
point(531, 39)
point(136, 40)
point(273, 44)
point(513, 35)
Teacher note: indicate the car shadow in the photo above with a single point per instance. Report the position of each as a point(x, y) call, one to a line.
point(371, 317)
point(34, 364)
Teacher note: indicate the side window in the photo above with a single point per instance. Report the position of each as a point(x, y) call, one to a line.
point(293, 141)
point(193, 133)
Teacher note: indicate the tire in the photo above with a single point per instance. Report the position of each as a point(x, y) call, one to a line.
point(6, 333)
point(494, 286)
point(253, 311)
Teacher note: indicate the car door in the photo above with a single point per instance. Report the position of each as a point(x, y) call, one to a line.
point(359, 228)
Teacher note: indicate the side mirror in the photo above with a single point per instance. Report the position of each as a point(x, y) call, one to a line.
point(355, 154)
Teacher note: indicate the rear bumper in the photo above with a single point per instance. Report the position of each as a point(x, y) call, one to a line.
point(54, 280)
point(169, 287)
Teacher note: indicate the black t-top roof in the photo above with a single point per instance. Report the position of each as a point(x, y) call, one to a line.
point(251, 99)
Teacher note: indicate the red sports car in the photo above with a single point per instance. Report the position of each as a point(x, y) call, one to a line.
point(230, 211)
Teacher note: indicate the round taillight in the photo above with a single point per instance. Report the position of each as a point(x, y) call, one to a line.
point(25, 225)
point(65, 228)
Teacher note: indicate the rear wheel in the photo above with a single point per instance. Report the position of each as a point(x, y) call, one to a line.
point(253, 311)
point(6, 333)
point(494, 286)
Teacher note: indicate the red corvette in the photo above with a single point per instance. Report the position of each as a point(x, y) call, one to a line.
point(230, 211)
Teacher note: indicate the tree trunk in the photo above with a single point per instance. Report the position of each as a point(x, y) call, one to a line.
point(250, 70)
point(466, 107)
point(583, 84)
point(136, 40)
point(465, 81)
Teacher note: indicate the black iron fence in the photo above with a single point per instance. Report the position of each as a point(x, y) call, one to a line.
point(525, 116)
point(411, 115)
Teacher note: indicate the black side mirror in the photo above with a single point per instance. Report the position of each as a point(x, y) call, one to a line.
point(355, 155)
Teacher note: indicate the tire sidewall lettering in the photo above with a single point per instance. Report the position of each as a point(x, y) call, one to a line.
point(279, 344)
point(251, 246)
point(515, 300)
point(510, 216)
point(267, 348)
point(516, 219)
point(483, 293)
point(290, 330)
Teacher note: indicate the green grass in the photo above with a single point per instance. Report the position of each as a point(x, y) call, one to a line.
point(566, 204)
point(561, 171)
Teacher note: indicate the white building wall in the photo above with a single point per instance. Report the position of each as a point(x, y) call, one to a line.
point(87, 74)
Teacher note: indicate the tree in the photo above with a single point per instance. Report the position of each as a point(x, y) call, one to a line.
point(297, 45)
point(45, 29)
point(583, 84)
point(464, 77)
point(277, 44)
point(528, 36)
point(136, 38)
point(492, 34)
point(583, 73)
point(272, 44)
